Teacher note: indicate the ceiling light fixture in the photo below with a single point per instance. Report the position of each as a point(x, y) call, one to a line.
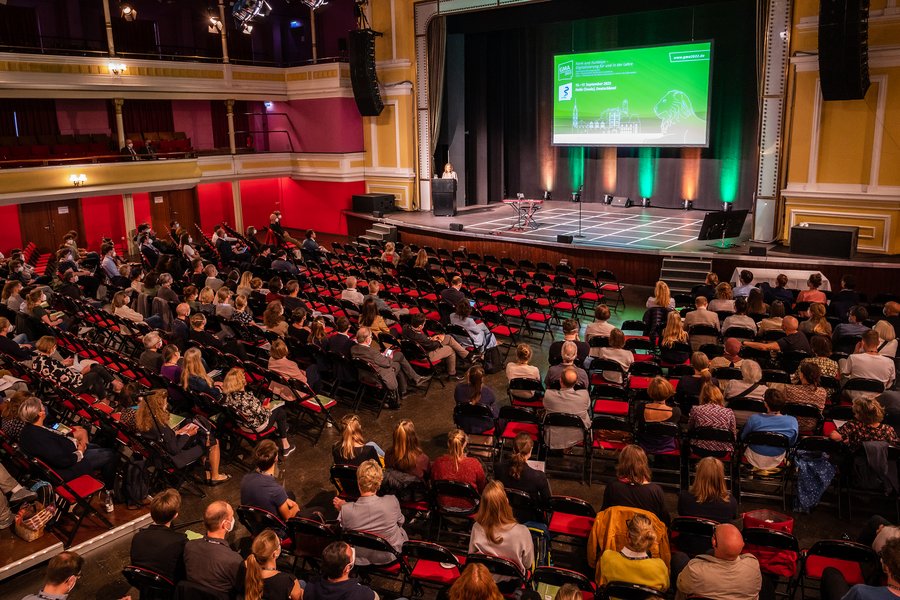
point(129, 13)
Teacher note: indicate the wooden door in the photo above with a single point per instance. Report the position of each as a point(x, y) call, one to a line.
point(45, 223)
point(180, 205)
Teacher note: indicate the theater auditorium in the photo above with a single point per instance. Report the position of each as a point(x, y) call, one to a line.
point(449, 299)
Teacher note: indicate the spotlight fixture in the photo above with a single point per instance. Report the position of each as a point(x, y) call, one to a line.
point(245, 11)
point(117, 68)
point(215, 25)
point(314, 4)
point(607, 199)
point(247, 28)
point(688, 204)
point(78, 179)
point(129, 13)
point(576, 196)
point(548, 195)
point(645, 202)
point(726, 207)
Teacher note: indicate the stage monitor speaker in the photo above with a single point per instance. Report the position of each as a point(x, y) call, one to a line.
point(828, 241)
point(377, 214)
point(758, 251)
point(456, 226)
point(371, 203)
point(564, 239)
point(621, 202)
point(366, 90)
point(844, 49)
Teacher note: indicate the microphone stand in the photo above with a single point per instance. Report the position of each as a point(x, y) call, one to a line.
point(578, 195)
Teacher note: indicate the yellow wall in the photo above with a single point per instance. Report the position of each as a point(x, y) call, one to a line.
point(842, 156)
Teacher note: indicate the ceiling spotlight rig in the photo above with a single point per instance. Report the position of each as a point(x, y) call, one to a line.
point(314, 4)
point(245, 12)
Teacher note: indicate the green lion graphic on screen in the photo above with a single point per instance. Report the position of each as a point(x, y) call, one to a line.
point(679, 122)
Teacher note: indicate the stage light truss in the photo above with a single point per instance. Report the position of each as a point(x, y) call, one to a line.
point(246, 11)
point(314, 4)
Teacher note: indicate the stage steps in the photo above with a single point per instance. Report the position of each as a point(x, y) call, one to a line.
point(682, 273)
point(381, 232)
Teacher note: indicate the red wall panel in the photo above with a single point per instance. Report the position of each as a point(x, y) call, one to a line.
point(103, 216)
point(303, 204)
point(216, 204)
point(10, 231)
point(141, 207)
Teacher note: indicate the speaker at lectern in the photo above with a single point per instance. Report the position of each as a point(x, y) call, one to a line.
point(443, 197)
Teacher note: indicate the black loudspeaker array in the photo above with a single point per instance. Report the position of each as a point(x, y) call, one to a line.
point(844, 49)
point(366, 91)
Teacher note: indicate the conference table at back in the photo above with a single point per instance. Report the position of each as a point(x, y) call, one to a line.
point(796, 278)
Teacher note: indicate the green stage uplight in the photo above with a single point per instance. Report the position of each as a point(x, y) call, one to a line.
point(647, 163)
point(576, 167)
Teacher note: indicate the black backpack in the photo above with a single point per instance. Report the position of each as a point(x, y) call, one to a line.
point(134, 484)
point(493, 363)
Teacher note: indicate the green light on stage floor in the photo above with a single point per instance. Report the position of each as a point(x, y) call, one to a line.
point(647, 163)
point(576, 167)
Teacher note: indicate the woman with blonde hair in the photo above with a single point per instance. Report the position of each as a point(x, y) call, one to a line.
point(273, 318)
point(207, 301)
point(633, 563)
point(194, 376)
point(662, 297)
point(262, 580)
point(632, 486)
point(421, 259)
point(866, 425)
point(497, 532)
point(708, 497)
point(674, 333)
point(724, 300)
point(517, 474)
point(521, 368)
point(816, 324)
point(250, 410)
point(353, 449)
point(568, 591)
point(887, 338)
point(184, 445)
point(455, 465)
point(35, 307)
point(475, 583)
point(244, 286)
point(689, 386)
point(240, 312)
point(406, 454)
point(712, 413)
point(317, 335)
point(390, 255)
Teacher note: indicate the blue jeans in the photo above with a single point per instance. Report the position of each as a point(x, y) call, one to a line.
point(103, 460)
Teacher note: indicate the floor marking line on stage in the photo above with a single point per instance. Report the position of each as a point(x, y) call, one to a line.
point(670, 231)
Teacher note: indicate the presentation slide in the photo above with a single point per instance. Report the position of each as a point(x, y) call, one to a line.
point(655, 96)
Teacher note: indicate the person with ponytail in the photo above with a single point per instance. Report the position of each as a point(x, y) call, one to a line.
point(456, 466)
point(661, 297)
point(262, 579)
point(473, 391)
point(406, 454)
point(689, 386)
point(353, 448)
point(518, 475)
point(633, 563)
point(496, 531)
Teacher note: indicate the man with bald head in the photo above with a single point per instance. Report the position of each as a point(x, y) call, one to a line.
point(209, 561)
point(793, 340)
point(726, 575)
point(567, 400)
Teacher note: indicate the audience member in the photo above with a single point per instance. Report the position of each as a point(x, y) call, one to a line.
point(151, 358)
point(340, 341)
point(746, 284)
point(689, 386)
point(632, 486)
point(570, 329)
point(352, 449)
point(63, 573)
point(661, 297)
point(816, 324)
point(406, 455)
point(496, 531)
point(763, 457)
point(474, 391)
point(633, 563)
point(821, 349)
point(453, 294)
point(261, 579)
point(253, 415)
point(708, 497)
point(567, 400)
point(658, 410)
point(713, 414)
point(475, 583)
point(731, 357)
point(812, 292)
point(439, 346)
point(834, 586)
point(351, 293)
point(601, 325)
point(261, 488)
point(481, 336)
point(727, 574)
point(522, 368)
point(616, 352)
point(724, 300)
point(739, 318)
point(867, 363)
point(707, 289)
point(866, 425)
point(515, 473)
point(391, 365)
point(793, 340)
point(158, 547)
point(887, 339)
point(209, 562)
point(672, 345)
point(456, 466)
point(750, 384)
point(338, 559)
point(774, 321)
point(807, 392)
point(568, 360)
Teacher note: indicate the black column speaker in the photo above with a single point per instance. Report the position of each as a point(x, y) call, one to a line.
point(363, 77)
point(844, 49)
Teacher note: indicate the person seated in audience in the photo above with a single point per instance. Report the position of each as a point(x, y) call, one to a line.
point(439, 346)
point(69, 287)
point(756, 306)
point(482, 338)
point(71, 455)
point(36, 307)
point(724, 299)
point(701, 315)
point(496, 531)
point(261, 488)
point(158, 547)
point(351, 293)
point(891, 312)
point(746, 284)
point(453, 294)
point(212, 278)
point(390, 254)
point(284, 366)
point(845, 298)
point(340, 341)
point(568, 358)
point(151, 358)
point(807, 392)
point(17, 495)
point(816, 324)
point(812, 293)
point(774, 320)
point(353, 449)
point(249, 408)
point(765, 458)
point(395, 370)
point(473, 391)
point(108, 263)
point(658, 410)
point(12, 295)
point(240, 311)
point(632, 486)
point(708, 497)
point(793, 340)
point(291, 298)
point(866, 426)
point(616, 351)
point(521, 368)
point(374, 289)
point(706, 289)
point(187, 248)
point(209, 562)
point(515, 472)
point(633, 563)
point(190, 442)
point(244, 287)
point(165, 290)
point(197, 276)
point(739, 318)
point(456, 466)
point(834, 585)
point(275, 288)
point(317, 334)
point(337, 561)
point(224, 308)
point(712, 412)
point(730, 357)
point(80, 377)
point(120, 307)
point(371, 319)
point(867, 363)
point(194, 376)
point(855, 326)
point(570, 329)
point(674, 333)
point(259, 577)
point(661, 297)
point(821, 348)
point(750, 384)
point(300, 327)
point(569, 400)
point(273, 318)
point(689, 385)
point(15, 347)
point(887, 338)
point(10, 422)
point(406, 454)
point(371, 513)
point(726, 575)
point(171, 365)
point(63, 574)
point(601, 327)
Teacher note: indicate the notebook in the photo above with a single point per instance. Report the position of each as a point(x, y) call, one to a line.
point(175, 420)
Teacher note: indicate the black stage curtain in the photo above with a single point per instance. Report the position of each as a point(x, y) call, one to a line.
point(34, 117)
point(143, 116)
point(220, 123)
point(508, 105)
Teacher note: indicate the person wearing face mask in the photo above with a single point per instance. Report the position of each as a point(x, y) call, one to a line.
point(277, 228)
point(129, 152)
point(69, 287)
point(63, 572)
point(120, 307)
point(209, 562)
point(35, 307)
point(15, 347)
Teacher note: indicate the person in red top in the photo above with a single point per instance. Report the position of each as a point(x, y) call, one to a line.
point(456, 466)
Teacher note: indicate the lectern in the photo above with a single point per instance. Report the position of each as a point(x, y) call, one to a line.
point(443, 197)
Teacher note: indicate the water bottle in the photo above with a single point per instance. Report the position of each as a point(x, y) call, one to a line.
point(108, 501)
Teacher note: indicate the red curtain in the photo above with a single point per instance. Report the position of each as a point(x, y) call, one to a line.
point(143, 116)
point(34, 117)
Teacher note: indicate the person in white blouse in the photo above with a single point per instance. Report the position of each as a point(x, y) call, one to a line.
point(449, 173)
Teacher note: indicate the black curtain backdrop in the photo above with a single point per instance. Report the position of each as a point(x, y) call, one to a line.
point(34, 117)
point(220, 123)
point(508, 104)
point(143, 116)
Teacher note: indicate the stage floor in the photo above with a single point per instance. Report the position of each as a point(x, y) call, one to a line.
point(635, 228)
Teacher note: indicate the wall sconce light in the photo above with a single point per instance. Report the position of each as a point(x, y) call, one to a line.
point(78, 180)
point(117, 68)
